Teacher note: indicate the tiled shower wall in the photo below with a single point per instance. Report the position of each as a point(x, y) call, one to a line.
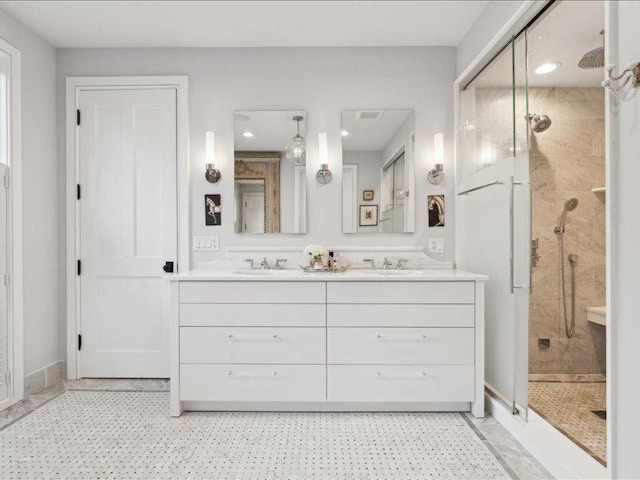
point(566, 161)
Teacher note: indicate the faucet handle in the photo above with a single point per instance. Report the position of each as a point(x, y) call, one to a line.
point(370, 262)
point(277, 266)
point(400, 262)
point(250, 262)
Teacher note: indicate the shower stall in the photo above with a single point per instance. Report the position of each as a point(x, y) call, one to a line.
point(531, 216)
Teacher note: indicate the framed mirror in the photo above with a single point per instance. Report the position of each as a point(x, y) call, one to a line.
point(378, 171)
point(270, 181)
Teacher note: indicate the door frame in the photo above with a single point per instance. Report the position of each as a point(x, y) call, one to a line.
point(15, 299)
point(75, 85)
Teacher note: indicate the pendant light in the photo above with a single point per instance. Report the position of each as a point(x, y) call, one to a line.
point(295, 151)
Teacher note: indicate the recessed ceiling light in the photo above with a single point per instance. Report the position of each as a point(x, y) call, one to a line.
point(547, 68)
point(248, 134)
point(344, 133)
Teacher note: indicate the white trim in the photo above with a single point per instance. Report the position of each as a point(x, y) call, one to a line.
point(300, 199)
point(73, 87)
point(15, 304)
point(559, 455)
point(354, 196)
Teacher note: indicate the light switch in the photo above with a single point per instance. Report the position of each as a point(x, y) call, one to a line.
point(206, 244)
point(436, 245)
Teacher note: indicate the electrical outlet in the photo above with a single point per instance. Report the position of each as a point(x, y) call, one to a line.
point(206, 244)
point(436, 245)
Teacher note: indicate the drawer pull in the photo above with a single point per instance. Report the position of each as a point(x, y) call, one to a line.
point(403, 376)
point(263, 337)
point(402, 337)
point(253, 374)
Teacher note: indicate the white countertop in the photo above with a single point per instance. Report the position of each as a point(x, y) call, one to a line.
point(406, 275)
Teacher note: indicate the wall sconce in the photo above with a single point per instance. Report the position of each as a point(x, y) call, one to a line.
point(436, 174)
point(212, 174)
point(324, 174)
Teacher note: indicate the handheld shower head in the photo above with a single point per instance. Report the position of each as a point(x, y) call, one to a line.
point(569, 206)
point(539, 123)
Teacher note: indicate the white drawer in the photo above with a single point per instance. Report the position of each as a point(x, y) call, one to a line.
point(384, 383)
point(252, 345)
point(252, 315)
point(252, 292)
point(401, 346)
point(400, 292)
point(295, 383)
point(360, 315)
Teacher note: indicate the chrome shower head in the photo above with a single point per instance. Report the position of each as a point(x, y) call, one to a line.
point(570, 204)
point(592, 59)
point(539, 123)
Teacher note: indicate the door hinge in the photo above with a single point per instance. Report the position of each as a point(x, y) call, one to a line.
point(78, 191)
point(78, 117)
point(6, 279)
point(5, 180)
point(79, 267)
point(7, 378)
point(79, 342)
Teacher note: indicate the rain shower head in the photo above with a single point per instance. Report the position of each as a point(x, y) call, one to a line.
point(592, 59)
point(539, 123)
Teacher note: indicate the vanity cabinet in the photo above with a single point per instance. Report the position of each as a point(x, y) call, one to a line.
point(331, 345)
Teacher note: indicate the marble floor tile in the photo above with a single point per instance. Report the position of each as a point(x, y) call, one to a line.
point(119, 384)
point(569, 406)
point(122, 434)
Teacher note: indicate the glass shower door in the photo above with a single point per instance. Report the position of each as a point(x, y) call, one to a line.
point(493, 210)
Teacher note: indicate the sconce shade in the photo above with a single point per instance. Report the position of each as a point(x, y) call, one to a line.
point(212, 174)
point(438, 148)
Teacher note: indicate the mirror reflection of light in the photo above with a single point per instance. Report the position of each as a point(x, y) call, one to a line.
point(344, 133)
point(248, 134)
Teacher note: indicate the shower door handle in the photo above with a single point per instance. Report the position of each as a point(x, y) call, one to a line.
point(513, 286)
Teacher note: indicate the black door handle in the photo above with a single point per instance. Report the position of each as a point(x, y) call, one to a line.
point(168, 267)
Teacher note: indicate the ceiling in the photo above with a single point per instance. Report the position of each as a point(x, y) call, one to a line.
point(563, 35)
point(271, 130)
point(371, 135)
point(76, 24)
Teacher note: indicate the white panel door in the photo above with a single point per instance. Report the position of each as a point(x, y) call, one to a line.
point(5, 332)
point(349, 198)
point(253, 213)
point(128, 230)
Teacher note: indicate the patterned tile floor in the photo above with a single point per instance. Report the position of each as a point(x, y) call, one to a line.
point(569, 407)
point(120, 429)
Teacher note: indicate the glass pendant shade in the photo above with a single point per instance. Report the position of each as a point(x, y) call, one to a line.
point(295, 149)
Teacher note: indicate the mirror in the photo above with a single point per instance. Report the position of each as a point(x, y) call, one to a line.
point(378, 171)
point(270, 191)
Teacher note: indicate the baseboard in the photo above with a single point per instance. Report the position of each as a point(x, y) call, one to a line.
point(45, 377)
point(327, 406)
point(559, 455)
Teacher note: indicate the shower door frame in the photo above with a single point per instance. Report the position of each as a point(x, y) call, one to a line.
point(523, 17)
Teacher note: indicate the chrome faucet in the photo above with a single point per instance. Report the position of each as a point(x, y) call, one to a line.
point(277, 265)
point(386, 265)
point(250, 262)
point(400, 262)
point(264, 265)
point(371, 263)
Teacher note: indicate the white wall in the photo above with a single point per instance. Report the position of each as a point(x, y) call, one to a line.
point(322, 81)
point(625, 260)
point(492, 18)
point(42, 208)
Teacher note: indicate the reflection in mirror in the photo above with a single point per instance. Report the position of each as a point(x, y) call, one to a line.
point(270, 177)
point(378, 171)
point(5, 75)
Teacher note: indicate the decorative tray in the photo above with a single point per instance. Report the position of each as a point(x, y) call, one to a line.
point(310, 269)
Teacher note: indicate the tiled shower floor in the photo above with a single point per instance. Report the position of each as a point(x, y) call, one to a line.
point(569, 407)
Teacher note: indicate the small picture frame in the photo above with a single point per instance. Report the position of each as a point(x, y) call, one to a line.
point(213, 210)
point(367, 195)
point(368, 215)
point(435, 210)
